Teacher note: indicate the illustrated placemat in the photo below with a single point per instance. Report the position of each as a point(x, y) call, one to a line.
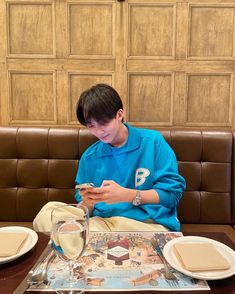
point(116, 261)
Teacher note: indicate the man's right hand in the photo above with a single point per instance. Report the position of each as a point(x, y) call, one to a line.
point(89, 203)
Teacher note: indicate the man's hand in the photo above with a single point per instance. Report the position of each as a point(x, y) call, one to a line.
point(109, 192)
point(89, 203)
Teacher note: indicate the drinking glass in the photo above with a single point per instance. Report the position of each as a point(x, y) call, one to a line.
point(69, 235)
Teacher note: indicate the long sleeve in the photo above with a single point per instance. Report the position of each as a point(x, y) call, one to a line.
point(169, 184)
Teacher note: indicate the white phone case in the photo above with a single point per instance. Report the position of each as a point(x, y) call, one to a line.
point(85, 186)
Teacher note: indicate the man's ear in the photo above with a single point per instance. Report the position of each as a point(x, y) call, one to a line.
point(120, 114)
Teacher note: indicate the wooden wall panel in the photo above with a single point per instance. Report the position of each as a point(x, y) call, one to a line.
point(209, 99)
point(159, 108)
point(149, 35)
point(32, 97)
point(211, 32)
point(91, 29)
point(30, 29)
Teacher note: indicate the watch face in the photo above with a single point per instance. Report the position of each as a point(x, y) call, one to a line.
point(137, 200)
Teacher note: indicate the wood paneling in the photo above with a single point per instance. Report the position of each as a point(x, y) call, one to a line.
point(149, 35)
point(159, 108)
point(172, 61)
point(211, 32)
point(30, 29)
point(32, 97)
point(91, 29)
point(206, 94)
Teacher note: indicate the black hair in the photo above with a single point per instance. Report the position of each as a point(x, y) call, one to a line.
point(100, 102)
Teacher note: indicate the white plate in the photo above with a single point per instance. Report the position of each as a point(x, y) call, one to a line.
point(226, 251)
point(29, 243)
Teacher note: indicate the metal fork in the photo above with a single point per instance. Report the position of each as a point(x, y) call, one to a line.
point(168, 274)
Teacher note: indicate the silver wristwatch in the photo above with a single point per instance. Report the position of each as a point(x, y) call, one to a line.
point(138, 199)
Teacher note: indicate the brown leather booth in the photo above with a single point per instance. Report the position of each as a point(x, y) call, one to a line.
point(38, 165)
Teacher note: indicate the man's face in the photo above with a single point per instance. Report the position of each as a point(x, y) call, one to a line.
point(107, 132)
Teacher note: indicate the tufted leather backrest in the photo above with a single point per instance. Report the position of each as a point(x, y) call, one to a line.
point(38, 165)
point(205, 160)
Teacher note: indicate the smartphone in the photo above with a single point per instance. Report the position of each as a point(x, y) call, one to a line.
point(85, 186)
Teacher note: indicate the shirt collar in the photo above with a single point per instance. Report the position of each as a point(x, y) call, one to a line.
point(132, 143)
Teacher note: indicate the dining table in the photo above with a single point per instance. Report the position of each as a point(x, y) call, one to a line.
point(13, 274)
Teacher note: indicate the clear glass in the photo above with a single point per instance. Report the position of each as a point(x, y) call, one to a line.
point(70, 235)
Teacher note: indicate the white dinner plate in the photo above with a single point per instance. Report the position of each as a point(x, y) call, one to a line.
point(226, 251)
point(29, 243)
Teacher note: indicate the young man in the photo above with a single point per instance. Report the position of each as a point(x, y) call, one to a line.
point(134, 170)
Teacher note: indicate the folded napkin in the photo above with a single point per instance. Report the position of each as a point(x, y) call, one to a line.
point(71, 238)
point(11, 242)
point(200, 257)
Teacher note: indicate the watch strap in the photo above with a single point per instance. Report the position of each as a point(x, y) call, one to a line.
point(138, 199)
